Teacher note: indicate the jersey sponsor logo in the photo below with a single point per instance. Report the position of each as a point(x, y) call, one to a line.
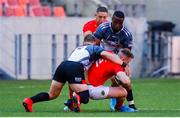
point(102, 92)
point(78, 79)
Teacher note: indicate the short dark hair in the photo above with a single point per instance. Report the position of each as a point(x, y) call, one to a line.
point(89, 38)
point(127, 52)
point(119, 14)
point(101, 9)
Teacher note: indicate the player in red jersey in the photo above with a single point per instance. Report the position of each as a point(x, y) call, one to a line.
point(100, 17)
point(100, 72)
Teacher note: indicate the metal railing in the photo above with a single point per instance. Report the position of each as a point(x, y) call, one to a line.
point(36, 57)
point(157, 53)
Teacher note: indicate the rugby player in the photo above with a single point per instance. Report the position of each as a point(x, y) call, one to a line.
point(100, 72)
point(115, 36)
point(100, 17)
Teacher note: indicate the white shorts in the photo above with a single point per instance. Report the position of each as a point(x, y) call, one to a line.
point(99, 92)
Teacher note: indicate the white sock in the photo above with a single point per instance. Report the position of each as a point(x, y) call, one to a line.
point(131, 102)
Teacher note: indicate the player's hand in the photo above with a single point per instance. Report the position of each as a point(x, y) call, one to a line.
point(128, 70)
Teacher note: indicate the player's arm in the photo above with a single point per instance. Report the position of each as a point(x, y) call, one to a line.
point(112, 57)
point(100, 52)
point(123, 79)
point(128, 42)
point(99, 34)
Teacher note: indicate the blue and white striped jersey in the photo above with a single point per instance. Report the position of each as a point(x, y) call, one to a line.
point(86, 55)
point(113, 41)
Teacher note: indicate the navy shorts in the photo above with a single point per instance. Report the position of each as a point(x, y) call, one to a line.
point(70, 71)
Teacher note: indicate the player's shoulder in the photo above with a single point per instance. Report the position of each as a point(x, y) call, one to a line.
point(127, 32)
point(93, 47)
point(90, 22)
point(105, 25)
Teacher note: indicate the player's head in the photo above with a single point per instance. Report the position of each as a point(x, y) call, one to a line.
point(101, 15)
point(117, 21)
point(126, 55)
point(89, 39)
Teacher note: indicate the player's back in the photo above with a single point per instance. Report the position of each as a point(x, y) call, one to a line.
point(85, 55)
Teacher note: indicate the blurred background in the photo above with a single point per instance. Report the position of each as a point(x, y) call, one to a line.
point(36, 35)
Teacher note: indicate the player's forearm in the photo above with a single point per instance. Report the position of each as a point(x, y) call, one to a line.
point(112, 57)
point(123, 79)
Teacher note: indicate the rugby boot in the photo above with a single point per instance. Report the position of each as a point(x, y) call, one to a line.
point(27, 104)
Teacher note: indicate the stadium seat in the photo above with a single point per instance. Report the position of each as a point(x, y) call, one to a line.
point(46, 11)
point(11, 2)
point(0, 11)
point(34, 2)
point(0, 7)
point(3, 1)
point(22, 2)
point(19, 11)
point(59, 12)
point(36, 11)
point(9, 11)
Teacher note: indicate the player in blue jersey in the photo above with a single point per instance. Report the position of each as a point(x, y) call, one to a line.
point(115, 36)
point(72, 71)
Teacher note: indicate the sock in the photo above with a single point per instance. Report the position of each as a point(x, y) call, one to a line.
point(84, 96)
point(130, 97)
point(43, 96)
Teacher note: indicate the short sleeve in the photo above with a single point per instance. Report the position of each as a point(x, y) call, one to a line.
point(99, 32)
point(128, 42)
point(95, 50)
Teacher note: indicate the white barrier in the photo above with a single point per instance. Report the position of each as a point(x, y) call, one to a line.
point(14, 39)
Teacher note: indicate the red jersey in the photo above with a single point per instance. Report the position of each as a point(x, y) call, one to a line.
point(102, 70)
point(90, 26)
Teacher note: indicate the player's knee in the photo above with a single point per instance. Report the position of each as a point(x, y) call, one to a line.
point(84, 96)
point(124, 93)
point(128, 87)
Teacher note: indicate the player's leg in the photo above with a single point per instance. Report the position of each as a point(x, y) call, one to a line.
point(80, 95)
point(120, 94)
point(55, 89)
point(69, 103)
point(129, 97)
point(53, 93)
point(76, 81)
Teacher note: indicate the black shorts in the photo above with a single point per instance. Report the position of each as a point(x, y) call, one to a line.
point(70, 71)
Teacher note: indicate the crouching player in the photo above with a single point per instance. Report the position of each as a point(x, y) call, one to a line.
point(100, 72)
point(72, 71)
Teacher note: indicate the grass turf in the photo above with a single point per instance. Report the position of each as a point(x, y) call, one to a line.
point(153, 97)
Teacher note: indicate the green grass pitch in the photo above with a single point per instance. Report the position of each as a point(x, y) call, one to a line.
point(154, 97)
